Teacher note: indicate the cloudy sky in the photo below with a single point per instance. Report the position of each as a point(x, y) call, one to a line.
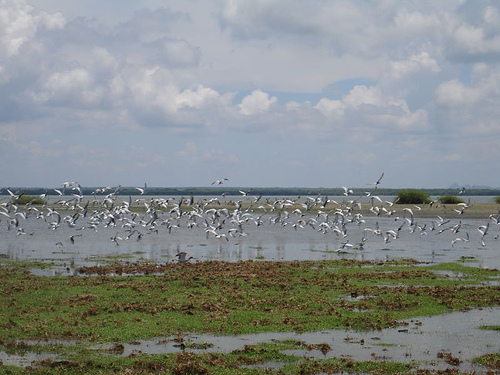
point(280, 93)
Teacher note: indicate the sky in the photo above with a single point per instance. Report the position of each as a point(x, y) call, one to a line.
point(265, 93)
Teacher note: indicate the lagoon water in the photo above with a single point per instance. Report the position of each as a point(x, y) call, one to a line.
point(267, 241)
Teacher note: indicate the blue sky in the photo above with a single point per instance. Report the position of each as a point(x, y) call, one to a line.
point(265, 93)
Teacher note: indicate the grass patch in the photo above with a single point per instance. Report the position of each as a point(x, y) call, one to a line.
point(242, 361)
point(490, 328)
point(490, 360)
point(28, 199)
point(223, 297)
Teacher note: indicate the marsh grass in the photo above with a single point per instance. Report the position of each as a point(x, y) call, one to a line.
point(226, 298)
point(222, 297)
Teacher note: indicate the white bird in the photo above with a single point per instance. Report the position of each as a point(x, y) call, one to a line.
point(343, 246)
point(142, 190)
point(483, 229)
point(219, 182)
point(378, 181)
point(460, 239)
point(347, 191)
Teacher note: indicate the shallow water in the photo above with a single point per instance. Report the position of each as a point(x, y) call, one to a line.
point(421, 340)
point(452, 333)
point(265, 242)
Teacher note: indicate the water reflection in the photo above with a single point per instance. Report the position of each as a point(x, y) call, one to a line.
point(422, 339)
point(267, 241)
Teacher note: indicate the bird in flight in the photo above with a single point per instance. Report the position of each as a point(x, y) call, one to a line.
point(219, 182)
point(376, 183)
point(182, 257)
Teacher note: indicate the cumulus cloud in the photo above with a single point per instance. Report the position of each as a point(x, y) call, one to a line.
point(484, 89)
point(258, 102)
point(414, 64)
point(454, 93)
point(330, 107)
point(19, 24)
point(319, 70)
point(372, 106)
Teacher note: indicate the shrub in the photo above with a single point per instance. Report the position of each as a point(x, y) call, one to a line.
point(497, 200)
point(25, 199)
point(412, 196)
point(450, 199)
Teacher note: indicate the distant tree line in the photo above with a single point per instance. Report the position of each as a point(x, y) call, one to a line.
point(235, 191)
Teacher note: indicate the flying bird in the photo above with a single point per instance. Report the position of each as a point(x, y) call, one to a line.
point(142, 190)
point(219, 182)
point(376, 183)
point(182, 257)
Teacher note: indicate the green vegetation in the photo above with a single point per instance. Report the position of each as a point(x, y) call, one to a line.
point(29, 199)
point(412, 196)
point(231, 298)
point(172, 299)
point(490, 360)
point(450, 199)
point(497, 200)
point(250, 360)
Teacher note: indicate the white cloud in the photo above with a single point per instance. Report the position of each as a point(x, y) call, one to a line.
point(454, 93)
point(380, 71)
point(372, 106)
point(79, 79)
point(416, 23)
point(196, 99)
point(180, 53)
point(492, 18)
point(414, 64)
point(258, 102)
point(483, 90)
point(19, 24)
point(330, 107)
point(360, 95)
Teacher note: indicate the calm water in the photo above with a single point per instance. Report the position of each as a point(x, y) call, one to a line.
point(422, 340)
point(286, 240)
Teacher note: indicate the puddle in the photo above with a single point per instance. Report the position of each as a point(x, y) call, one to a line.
point(265, 365)
point(24, 360)
point(427, 340)
point(450, 274)
point(421, 340)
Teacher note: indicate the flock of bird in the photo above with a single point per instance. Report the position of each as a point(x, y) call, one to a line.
point(135, 219)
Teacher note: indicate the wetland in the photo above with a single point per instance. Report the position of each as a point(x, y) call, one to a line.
point(273, 293)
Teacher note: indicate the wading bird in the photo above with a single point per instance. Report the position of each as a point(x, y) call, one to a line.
point(182, 257)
